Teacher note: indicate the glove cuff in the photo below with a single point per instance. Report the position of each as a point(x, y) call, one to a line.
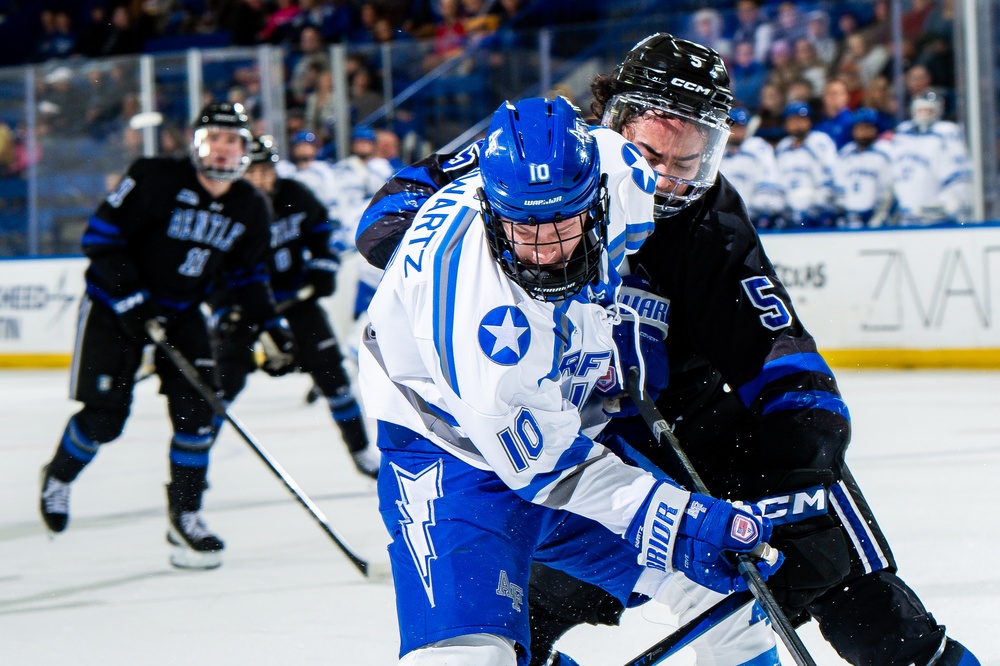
point(661, 515)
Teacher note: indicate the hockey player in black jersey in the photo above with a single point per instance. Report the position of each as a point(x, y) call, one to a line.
point(754, 402)
point(173, 228)
point(302, 262)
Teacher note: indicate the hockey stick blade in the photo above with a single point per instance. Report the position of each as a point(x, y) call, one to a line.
point(159, 338)
point(691, 630)
point(744, 561)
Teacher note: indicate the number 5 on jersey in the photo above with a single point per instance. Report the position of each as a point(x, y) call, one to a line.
point(776, 315)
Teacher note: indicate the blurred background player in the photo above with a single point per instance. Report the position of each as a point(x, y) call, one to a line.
point(302, 262)
point(358, 177)
point(483, 396)
point(806, 162)
point(749, 165)
point(863, 177)
point(172, 229)
point(931, 171)
point(305, 166)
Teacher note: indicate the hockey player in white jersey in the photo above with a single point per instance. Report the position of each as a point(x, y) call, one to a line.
point(490, 331)
point(863, 176)
point(806, 163)
point(749, 165)
point(931, 171)
point(357, 178)
point(303, 166)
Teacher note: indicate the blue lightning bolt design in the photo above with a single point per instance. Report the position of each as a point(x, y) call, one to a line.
point(417, 494)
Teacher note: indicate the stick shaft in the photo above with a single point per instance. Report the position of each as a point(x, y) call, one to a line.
point(691, 630)
point(744, 563)
point(158, 336)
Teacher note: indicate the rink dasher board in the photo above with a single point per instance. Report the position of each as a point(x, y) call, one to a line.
point(927, 297)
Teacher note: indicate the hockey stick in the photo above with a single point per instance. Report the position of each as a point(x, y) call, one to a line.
point(159, 338)
point(744, 563)
point(691, 630)
point(303, 294)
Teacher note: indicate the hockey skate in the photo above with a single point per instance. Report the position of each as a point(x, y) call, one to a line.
point(54, 502)
point(195, 546)
point(367, 461)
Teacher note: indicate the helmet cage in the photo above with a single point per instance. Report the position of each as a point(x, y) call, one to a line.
point(709, 122)
point(201, 151)
point(552, 282)
point(926, 109)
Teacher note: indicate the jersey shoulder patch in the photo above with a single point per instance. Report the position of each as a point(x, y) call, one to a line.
point(504, 335)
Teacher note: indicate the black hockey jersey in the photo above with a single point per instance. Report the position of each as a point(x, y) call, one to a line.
point(162, 232)
point(300, 238)
point(742, 365)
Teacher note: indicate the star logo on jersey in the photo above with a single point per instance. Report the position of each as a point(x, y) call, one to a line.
point(504, 335)
point(632, 158)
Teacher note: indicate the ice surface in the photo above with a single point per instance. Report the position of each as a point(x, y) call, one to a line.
point(926, 450)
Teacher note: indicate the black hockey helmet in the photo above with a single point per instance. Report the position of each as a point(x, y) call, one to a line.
point(220, 116)
point(685, 73)
point(262, 150)
point(684, 81)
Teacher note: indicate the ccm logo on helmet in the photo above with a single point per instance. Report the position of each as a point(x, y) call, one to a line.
point(688, 85)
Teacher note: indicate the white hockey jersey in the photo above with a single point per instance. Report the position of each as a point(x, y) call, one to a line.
point(806, 171)
point(458, 351)
point(863, 181)
point(753, 171)
point(357, 181)
point(318, 176)
point(931, 172)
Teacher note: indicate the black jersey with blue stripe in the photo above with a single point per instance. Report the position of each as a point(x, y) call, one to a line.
point(742, 365)
point(162, 232)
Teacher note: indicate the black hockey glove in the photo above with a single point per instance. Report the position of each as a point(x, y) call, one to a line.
point(279, 347)
point(134, 310)
point(321, 273)
point(323, 282)
point(230, 325)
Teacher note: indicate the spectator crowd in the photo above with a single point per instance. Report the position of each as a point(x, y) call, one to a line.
point(817, 141)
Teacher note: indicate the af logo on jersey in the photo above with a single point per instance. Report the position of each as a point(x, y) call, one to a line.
point(504, 335)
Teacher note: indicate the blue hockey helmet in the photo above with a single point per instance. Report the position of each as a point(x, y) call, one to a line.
point(796, 108)
point(540, 166)
point(866, 115)
point(739, 116)
point(303, 136)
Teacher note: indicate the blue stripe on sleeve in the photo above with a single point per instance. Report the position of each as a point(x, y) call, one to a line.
point(103, 227)
point(242, 278)
point(89, 239)
point(804, 400)
point(446, 261)
point(398, 201)
point(636, 233)
point(780, 367)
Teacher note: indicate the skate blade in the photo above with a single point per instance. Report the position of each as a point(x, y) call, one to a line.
point(185, 558)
